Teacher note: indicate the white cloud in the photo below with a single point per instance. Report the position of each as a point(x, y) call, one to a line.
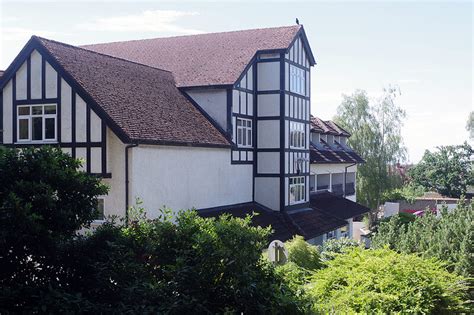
point(408, 81)
point(147, 21)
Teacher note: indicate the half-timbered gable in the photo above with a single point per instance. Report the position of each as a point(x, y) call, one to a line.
point(40, 107)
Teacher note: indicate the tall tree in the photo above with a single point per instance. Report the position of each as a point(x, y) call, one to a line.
point(449, 170)
point(376, 135)
point(470, 125)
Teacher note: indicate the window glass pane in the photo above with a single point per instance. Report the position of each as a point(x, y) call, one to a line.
point(37, 110)
point(239, 122)
point(51, 109)
point(37, 129)
point(239, 136)
point(249, 136)
point(100, 209)
point(24, 129)
point(244, 140)
point(49, 132)
point(23, 111)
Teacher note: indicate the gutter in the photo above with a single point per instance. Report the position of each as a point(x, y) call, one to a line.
point(127, 201)
point(345, 177)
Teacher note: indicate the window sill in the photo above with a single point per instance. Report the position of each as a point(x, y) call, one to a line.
point(36, 142)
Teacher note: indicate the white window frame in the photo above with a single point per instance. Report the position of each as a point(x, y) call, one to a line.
point(30, 123)
point(297, 80)
point(297, 183)
point(245, 127)
point(297, 135)
point(331, 235)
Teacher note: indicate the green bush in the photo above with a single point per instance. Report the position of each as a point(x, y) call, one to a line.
point(383, 281)
point(449, 238)
point(303, 254)
point(193, 265)
point(332, 247)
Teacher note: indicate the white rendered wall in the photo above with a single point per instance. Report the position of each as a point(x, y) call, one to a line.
point(267, 192)
point(187, 177)
point(114, 202)
point(268, 77)
point(7, 113)
point(214, 102)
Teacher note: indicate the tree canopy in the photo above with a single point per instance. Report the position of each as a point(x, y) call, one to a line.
point(449, 170)
point(376, 135)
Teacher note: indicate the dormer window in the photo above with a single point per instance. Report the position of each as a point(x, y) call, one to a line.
point(343, 140)
point(36, 123)
point(330, 139)
point(324, 138)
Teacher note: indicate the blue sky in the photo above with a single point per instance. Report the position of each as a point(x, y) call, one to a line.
point(423, 47)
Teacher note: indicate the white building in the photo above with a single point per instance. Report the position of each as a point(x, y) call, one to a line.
point(211, 121)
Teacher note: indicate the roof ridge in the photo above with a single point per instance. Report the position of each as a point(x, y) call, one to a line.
point(97, 53)
point(193, 35)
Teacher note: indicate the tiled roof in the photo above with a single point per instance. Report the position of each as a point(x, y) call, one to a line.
point(313, 222)
point(336, 206)
point(283, 230)
point(322, 152)
point(205, 59)
point(328, 127)
point(143, 102)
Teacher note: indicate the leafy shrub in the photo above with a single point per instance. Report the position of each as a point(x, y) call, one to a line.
point(449, 238)
point(332, 247)
point(194, 265)
point(383, 281)
point(303, 254)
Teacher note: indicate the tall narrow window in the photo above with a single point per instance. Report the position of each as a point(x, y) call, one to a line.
point(244, 132)
point(36, 122)
point(297, 80)
point(297, 135)
point(297, 189)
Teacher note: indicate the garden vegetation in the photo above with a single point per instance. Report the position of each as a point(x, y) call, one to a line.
point(186, 264)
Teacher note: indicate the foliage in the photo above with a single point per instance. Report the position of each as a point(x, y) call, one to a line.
point(470, 125)
point(44, 199)
point(408, 193)
point(376, 136)
point(332, 247)
point(383, 281)
point(149, 266)
point(448, 171)
point(303, 254)
point(450, 237)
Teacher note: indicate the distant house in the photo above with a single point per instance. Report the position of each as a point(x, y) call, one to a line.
point(217, 122)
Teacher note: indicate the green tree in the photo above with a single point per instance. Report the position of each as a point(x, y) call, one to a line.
point(383, 281)
point(44, 200)
point(470, 125)
point(376, 136)
point(449, 238)
point(449, 170)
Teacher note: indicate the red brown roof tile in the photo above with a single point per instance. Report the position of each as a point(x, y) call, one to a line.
point(143, 102)
point(205, 59)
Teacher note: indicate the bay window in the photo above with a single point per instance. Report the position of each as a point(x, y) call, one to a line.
point(297, 80)
point(297, 189)
point(37, 123)
point(244, 132)
point(297, 135)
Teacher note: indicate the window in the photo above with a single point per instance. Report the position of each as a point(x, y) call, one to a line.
point(330, 235)
point(36, 122)
point(344, 231)
point(297, 189)
point(297, 135)
point(100, 210)
point(297, 80)
point(244, 132)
